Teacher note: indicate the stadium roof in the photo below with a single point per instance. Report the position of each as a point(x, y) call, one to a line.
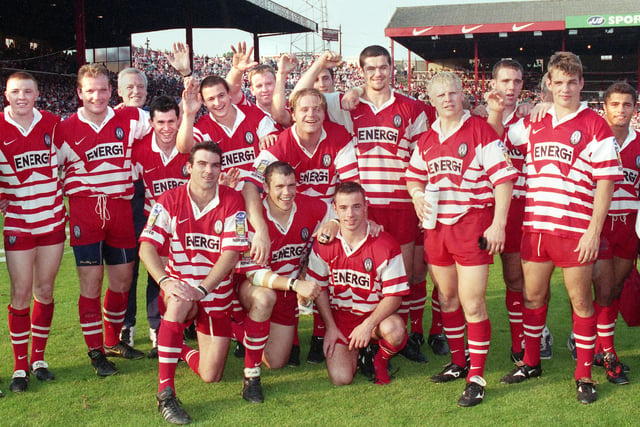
point(110, 23)
point(536, 29)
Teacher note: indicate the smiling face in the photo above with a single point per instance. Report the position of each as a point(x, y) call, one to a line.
point(133, 90)
point(204, 170)
point(376, 71)
point(217, 100)
point(281, 191)
point(165, 127)
point(95, 92)
point(619, 109)
point(22, 95)
point(352, 211)
point(308, 115)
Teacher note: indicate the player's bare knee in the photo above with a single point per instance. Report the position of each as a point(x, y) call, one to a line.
point(262, 305)
point(341, 378)
point(392, 329)
point(210, 377)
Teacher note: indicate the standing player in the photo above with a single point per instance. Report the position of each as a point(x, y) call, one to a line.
point(619, 242)
point(271, 306)
point(572, 165)
point(94, 148)
point(363, 281)
point(237, 129)
point(462, 158)
point(158, 164)
point(507, 84)
point(33, 225)
point(190, 246)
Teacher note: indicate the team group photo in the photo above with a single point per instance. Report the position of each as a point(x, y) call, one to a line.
point(306, 238)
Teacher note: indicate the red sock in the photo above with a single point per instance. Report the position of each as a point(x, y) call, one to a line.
point(169, 349)
point(19, 329)
point(381, 360)
point(115, 306)
point(296, 339)
point(416, 309)
point(40, 327)
point(607, 317)
point(478, 339)
point(533, 322)
point(436, 316)
point(403, 311)
point(191, 357)
point(585, 331)
point(256, 335)
point(318, 324)
point(91, 322)
point(237, 330)
point(454, 324)
point(515, 303)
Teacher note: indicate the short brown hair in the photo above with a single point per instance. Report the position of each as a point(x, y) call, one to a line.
point(23, 75)
point(567, 62)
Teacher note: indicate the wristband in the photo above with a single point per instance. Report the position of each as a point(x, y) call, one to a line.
point(290, 284)
point(203, 290)
point(163, 279)
point(294, 285)
point(272, 279)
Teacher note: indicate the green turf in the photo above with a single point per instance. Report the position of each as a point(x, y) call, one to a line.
point(304, 396)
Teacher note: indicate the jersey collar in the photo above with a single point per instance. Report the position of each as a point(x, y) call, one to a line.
point(323, 136)
point(37, 116)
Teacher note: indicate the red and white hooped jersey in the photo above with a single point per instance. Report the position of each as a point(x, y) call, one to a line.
point(197, 238)
point(240, 144)
point(357, 280)
point(516, 157)
point(290, 244)
point(96, 160)
point(158, 171)
point(564, 159)
point(464, 166)
point(317, 173)
point(625, 197)
point(385, 139)
point(247, 103)
point(29, 176)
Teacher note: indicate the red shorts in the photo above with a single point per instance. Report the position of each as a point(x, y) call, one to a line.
point(513, 229)
point(401, 223)
point(346, 322)
point(114, 226)
point(539, 247)
point(285, 311)
point(446, 245)
point(619, 237)
point(25, 242)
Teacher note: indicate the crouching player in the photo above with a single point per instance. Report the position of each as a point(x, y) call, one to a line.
point(270, 293)
point(189, 246)
point(363, 280)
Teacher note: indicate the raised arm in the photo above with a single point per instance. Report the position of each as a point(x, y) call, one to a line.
point(191, 103)
point(241, 62)
point(279, 112)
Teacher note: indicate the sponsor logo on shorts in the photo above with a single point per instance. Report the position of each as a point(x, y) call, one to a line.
point(119, 133)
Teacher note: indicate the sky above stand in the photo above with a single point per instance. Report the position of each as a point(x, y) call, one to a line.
point(362, 23)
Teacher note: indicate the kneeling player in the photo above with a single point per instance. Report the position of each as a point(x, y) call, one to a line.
point(266, 296)
point(203, 228)
point(363, 281)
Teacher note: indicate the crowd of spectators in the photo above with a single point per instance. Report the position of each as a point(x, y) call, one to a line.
point(55, 73)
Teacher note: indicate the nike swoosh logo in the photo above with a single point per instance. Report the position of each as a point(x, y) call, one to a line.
point(39, 351)
point(78, 142)
point(466, 30)
point(152, 169)
point(357, 117)
point(417, 32)
point(183, 220)
point(587, 364)
point(22, 357)
point(164, 381)
point(9, 142)
point(534, 131)
point(521, 27)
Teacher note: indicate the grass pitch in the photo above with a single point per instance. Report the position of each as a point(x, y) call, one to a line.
point(304, 396)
